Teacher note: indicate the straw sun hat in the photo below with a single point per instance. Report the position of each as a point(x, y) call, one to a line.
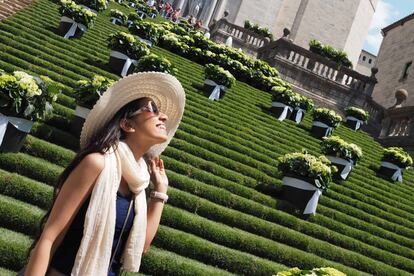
point(164, 89)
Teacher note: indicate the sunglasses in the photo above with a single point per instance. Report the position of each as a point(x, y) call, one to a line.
point(150, 107)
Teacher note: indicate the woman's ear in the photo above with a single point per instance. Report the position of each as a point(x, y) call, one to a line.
point(126, 126)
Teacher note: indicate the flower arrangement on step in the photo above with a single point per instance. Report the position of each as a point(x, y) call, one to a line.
point(217, 81)
point(152, 62)
point(355, 117)
point(173, 43)
point(147, 31)
point(118, 17)
point(393, 163)
point(94, 5)
point(23, 99)
point(305, 177)
point(257, 29)
point(87, 93)
point(341, 154)
point(75, 19)
point(283, 102)
point(324, 121)
point(323, 271)
point(305, 105)
point(131, 18)
point(126, 50)
point(338, 56)
point(143, 10)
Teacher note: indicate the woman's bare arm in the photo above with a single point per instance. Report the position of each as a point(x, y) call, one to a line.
point(73, 193)
point(155, 206)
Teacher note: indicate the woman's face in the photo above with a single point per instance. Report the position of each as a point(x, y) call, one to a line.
point(147, 125)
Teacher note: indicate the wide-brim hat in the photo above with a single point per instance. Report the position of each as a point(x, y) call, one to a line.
point(166, 91)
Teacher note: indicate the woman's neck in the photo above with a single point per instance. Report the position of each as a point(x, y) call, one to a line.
point(137, 149)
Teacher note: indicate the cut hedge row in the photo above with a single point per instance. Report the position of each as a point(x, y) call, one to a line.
point(13, 248)
point(25, 189)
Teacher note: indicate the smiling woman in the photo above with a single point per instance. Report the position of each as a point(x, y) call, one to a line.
point(100, 223)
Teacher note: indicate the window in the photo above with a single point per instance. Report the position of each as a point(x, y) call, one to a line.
point(369, 61)
point(406, 70)
point(364, 58)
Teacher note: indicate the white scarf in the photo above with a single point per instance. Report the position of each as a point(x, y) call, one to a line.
point(94, 252)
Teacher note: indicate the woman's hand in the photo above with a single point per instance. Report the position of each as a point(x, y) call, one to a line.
point(158, 176)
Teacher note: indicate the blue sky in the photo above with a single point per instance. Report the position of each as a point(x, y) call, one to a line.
point(387, 12)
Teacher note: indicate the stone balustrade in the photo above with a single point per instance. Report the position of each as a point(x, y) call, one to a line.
point(242, 38)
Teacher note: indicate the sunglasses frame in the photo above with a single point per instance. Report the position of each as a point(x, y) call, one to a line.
point(148, 107)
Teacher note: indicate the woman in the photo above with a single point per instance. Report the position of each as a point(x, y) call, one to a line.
point(128, 128)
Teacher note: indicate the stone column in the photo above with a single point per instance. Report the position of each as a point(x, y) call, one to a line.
point(179, 4)
point(220, 9)
point(209, 13)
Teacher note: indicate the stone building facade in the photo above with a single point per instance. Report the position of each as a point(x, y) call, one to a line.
point(395, 62)
point(365, 63)
point(341, 24)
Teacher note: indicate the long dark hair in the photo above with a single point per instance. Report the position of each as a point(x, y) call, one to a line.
point(101, 142)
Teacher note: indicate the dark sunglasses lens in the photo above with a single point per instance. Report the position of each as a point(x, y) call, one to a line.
point(154, 108)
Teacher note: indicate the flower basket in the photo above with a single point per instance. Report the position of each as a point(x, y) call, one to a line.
point(217, 81)
point(298, 113)
point(342, 155)
point(305, 178)
point(283, 102)
point(87, 93)
point(355, 117)
point(155, 63)
point(75, 20)
point(393, 163)
point(23, 100)
point(118, 17)
point(126, 51)
point(145, 30)
point(324, 122)
point(94, 5)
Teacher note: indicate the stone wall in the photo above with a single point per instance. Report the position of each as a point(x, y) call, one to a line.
point(397, 49)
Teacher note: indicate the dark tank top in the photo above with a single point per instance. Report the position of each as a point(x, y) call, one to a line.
point(64, 257)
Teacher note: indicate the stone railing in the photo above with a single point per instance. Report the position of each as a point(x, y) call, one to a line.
point(242, 38)
point(323, 80)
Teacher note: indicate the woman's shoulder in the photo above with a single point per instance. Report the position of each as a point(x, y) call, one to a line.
point(94, 161)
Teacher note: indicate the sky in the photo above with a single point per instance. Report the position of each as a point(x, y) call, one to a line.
point(387, 12)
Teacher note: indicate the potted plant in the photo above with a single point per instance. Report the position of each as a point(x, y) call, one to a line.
point(155, 63)
point(118, 17)
point(305, 104)
point(126, 50)
point(172, 42)
point(315, 46)
point(131, 18)
point(305, 177)
point(75, 19)
point(393, 163)
point(217, 81)
point(355, 117)
point(343, 155)
point(87, 93)
point(94, 5)
point(322, 271)
point(146, 31)
point(23, 99)
point(283, 102)
point(324, 121)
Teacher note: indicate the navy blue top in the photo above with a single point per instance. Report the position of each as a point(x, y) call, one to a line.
point(64, 257)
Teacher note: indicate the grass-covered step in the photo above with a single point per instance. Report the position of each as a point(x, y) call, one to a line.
point(32, 167)
point(7, 272)
point(25, 189)
point(13, 249)
point(274, 232)
point(162, 262)
point(227, 199)
point(55, 135)
point(19, 216)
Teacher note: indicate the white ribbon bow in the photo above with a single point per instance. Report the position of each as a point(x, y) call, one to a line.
point(215, 95)
point(397, 176)
point(328, 129)
point(114, 20)
point(303, 185)
point(299, 114)
point(285, 110)
point(359, 123)
point(128, 61)
point(72, 30)
point(19, 123)
point(348, 165)
point(142, 14)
